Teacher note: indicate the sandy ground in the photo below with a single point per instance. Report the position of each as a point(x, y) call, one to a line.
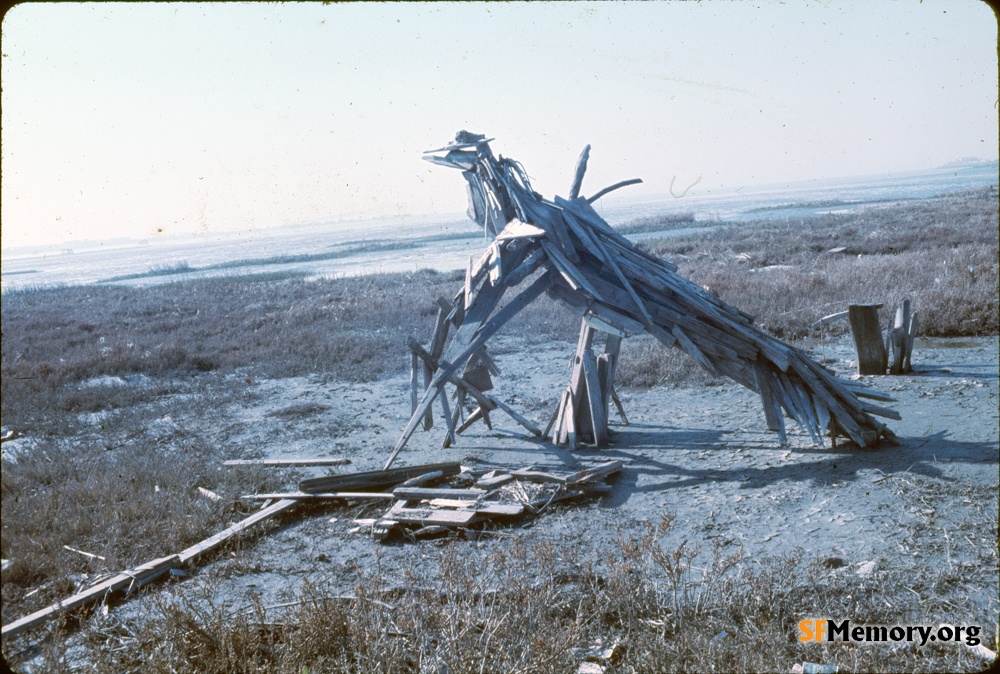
point(702, 454)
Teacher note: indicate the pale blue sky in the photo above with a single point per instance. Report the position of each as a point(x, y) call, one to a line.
point(132, 119)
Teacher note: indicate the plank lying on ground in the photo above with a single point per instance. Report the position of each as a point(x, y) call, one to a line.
point(418, 493)
point(375, 479)
point(332, 461)
point(144, 573)
point(493, 482)
point(538, 476)
point(602, 470)
point(427, 516)
point(300, 495)
point(140, 575)
point(510, 510)
point(422, 479)
point(218, 539)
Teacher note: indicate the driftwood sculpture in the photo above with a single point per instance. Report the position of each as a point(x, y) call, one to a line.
point(572, 254)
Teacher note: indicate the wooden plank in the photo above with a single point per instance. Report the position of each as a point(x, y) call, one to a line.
point(515, 415)
point(620, 321)
point(911, 336)
point(468, 284)
point(458, 504)
point(602, 325)
point(476, 415)
point(863, 391)
point(500, 509)
point(867, 333)
point(218, 539)
point(486, 401)
point(425, 493)
point(284, 463)
point(618, 404)
point(422, 479)
point(538, 476)
point(552, 428)
point(610, 261)
point(569, 270)
point(692, 349)
point(829, 319)
point(582, 209)
point(611, 188)
point(531, 263)
point(580, 418)
point(567, 435)
point(136, 576)
point(494, 482)
point(843, 417)
point(450, 437)
point(772, 414)
point(604, 382)
point(427, 516)
point(427, 418)
point(375, 479)
point(303, 496)
point(518, 229)
point(881, 411)
point(581, 168)
point(414, 382)
point(591, 474)
point(598, 421)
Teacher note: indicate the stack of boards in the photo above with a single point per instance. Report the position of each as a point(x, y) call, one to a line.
point(435, 498)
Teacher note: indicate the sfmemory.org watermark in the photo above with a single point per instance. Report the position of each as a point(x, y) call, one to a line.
point(827, 629)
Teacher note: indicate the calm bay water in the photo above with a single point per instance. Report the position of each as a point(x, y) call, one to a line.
point(443, 243)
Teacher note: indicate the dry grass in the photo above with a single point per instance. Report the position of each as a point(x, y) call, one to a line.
point(941, 253)
point(645, 608)
point(128, 496)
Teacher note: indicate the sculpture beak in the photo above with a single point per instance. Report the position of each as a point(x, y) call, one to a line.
point(460, 159)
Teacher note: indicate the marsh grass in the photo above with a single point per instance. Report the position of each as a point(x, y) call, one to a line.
point(646, 607)
point(941, 253)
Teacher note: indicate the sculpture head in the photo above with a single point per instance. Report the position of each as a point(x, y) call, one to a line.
point(496, 188)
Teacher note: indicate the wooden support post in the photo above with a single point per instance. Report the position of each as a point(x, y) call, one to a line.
point(414, 382)
point(582, 413)
point(598, 420)
point(450, 437)
point(872, 357)
point(611, 350)
point(618, 405)
point(475, 332)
